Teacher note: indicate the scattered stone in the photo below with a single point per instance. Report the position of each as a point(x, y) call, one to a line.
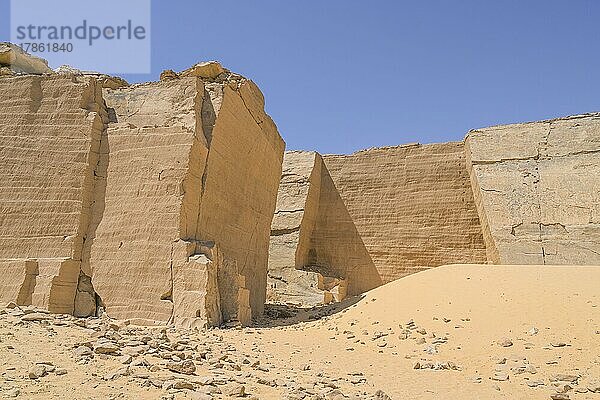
point(105, 347)
point(533, 331)
point(558, 344)
point(564, 378)
point(500, 376)
point(37, 371)
point(12, 393)
point(380, 395)
point(560, 396)
point(535, 383)
point(36, 316)
point(186, 367)
point(505, 342)
point(234, 390)
point(126, 359)
point(82, 351)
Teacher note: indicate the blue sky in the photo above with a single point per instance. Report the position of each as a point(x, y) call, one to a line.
point(341, 75)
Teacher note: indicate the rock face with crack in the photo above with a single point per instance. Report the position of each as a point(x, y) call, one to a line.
point(50, 133)
point(537, 189)
point(153, 201)
point(514, 194)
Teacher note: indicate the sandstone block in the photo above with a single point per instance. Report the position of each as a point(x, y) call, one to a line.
point(537, 190)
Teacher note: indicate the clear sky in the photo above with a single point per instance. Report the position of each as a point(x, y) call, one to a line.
point(341, 75)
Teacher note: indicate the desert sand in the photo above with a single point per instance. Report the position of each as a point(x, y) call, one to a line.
point(453, 332)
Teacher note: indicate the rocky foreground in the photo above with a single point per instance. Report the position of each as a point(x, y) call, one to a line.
point(454, 332)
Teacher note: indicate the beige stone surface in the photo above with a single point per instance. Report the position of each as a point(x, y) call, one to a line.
point(121, 193)
point(181, 173)
point(150, 138)
point(18, 280)
point(313, 232)
point(240, 186)
point(537, 188)
point(50, 133)
point(412, 206)
point(17, 60)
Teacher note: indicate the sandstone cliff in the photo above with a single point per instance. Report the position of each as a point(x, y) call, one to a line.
point(412, 206)
point(50, 133)
point(515, 194)
point(315, 253)
point(154, 200)
point(373, 216)
point(537, 187)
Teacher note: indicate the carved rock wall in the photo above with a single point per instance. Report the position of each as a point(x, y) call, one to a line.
point(412, 206)
point(51, 128)
point(537, 187)
point(155, 199)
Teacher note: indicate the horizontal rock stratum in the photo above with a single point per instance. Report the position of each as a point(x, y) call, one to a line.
point(153, 201)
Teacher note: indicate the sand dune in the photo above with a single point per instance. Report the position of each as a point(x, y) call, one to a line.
point(473, 332)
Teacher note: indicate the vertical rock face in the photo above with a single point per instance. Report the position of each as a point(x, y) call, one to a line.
point(190, 162)
point(151, 134)
point(156, 199)
point(412, 206)
point(50, 133)
point(315, 248)
point(537, 189)
point(243, 169)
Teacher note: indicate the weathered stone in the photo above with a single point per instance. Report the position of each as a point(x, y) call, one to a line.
point(186, 367)
point(233, 390)
point(536, 191)
point(41, 246)
point(186, 139)
point(14, 57)
point(105, 347)
point(37, 371)
point(36, 316)
point(412, 206)
point(82, 351)
point(144, 181)
point(564, 378)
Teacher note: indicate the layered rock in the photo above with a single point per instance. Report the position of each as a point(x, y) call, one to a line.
point(180, 175)
point(154, 200)
point(412, 206)
point(51, 128)
point(515, 194)
point(537, 188)
point(13, 60)
point(315, 254)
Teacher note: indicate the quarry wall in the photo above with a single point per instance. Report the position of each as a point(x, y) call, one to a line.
point(165, 202)
point(152, 201)
point(412, 206)
point(537, 187)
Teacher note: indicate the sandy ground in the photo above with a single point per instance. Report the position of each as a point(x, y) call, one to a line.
point(472, 332)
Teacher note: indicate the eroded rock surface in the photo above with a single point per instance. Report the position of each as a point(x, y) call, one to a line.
point(412, 206)
point(315, 254)
point(152, 201)
point(51, 128)
point(537, 188)
point(13, 60)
